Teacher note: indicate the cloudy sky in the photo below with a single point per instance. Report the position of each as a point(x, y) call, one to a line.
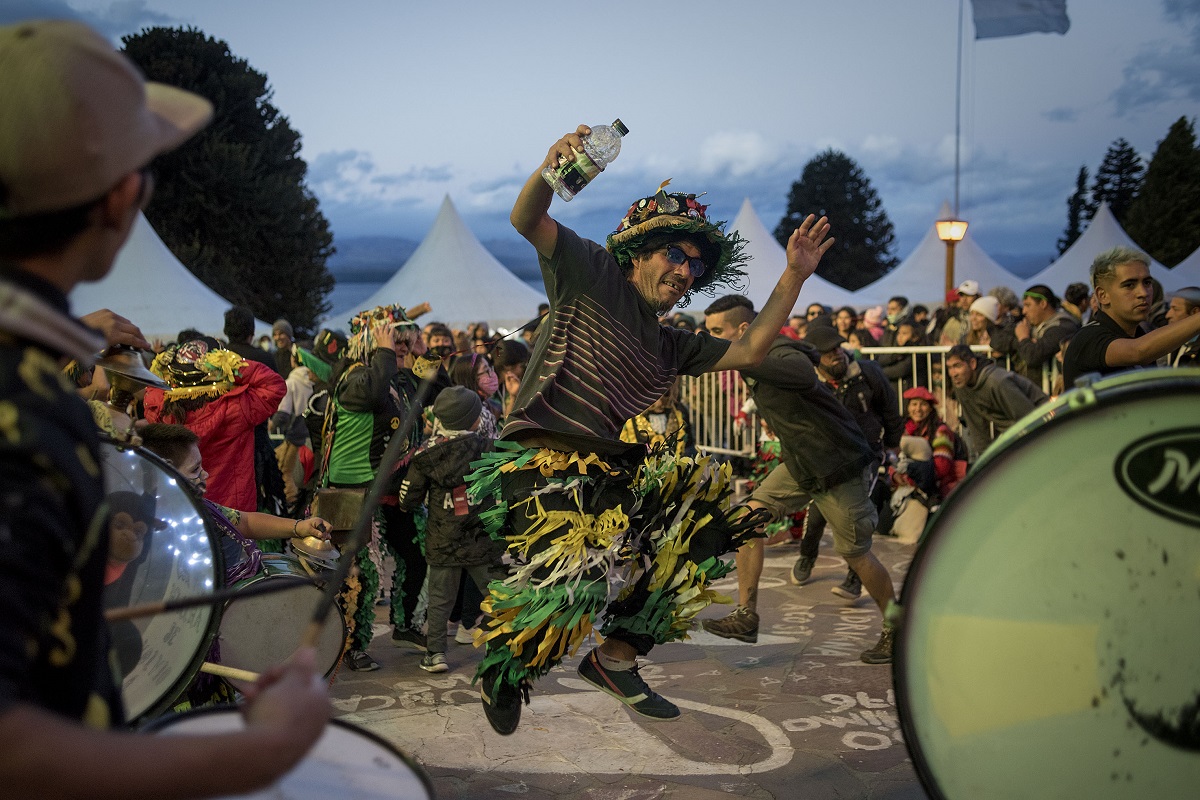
point(400, 103)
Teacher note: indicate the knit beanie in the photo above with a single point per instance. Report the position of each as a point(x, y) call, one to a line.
point(457, 408)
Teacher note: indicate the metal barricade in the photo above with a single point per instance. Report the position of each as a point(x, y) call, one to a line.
point(715, 401)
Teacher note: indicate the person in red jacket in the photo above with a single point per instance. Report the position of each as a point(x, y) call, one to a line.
point(221, 397)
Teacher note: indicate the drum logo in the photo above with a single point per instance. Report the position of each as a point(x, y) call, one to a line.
point(1162, 473)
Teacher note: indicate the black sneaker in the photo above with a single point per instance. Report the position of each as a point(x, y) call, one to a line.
point(501, 704)
point(412, 636)
point(361, 661)
point(742, 625)
point(881, 653)
point(802, 570)
point(851, 588)
point(627, 686)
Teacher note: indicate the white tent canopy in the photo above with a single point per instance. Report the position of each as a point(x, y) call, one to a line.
point(151, 288)
point(767, 262)
point(922, 276)
point(458, 277)
point(1185, 273)
point(1073, 266)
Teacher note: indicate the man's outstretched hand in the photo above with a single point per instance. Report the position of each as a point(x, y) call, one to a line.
point(807, 244)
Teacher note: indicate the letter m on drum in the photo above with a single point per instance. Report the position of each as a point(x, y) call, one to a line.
point(1162, 473)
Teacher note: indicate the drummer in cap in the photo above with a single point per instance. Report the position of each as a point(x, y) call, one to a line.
point(78, 129)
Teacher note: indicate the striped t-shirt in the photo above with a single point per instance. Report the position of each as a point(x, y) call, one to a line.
point(601, 357)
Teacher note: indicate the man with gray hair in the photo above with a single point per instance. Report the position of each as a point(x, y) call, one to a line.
point(1115, 340)
point(1185, 303)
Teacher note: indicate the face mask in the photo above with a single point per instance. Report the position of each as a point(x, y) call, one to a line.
point(442, 350)
point(488, 383)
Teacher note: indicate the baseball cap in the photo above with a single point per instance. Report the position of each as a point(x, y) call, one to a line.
point(969, 287)
point(824, 338)
point(78, 116)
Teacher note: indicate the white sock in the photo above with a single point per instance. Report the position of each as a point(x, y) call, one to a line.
point(614, 664)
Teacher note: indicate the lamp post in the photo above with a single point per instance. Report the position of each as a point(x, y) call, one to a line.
point(951, 231)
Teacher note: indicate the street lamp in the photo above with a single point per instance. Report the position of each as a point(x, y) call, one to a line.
point(951, 231)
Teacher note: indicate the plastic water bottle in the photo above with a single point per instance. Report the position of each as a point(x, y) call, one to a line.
point(600, 147)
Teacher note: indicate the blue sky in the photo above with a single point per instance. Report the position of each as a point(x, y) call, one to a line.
point(400, 103)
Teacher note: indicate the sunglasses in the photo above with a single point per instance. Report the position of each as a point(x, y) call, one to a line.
point(676, 256)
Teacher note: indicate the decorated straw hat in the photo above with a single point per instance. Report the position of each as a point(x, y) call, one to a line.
point(197, 368)
point(359, 344)
point(676, 212)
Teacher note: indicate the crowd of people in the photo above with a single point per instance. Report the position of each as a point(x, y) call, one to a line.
point(548, 483)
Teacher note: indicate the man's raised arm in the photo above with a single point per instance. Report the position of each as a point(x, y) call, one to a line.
point(804, 250)
point(530, 213)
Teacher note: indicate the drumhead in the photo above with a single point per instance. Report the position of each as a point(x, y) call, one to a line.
point(1048, 645)
point(259, 632)
point(161, 548)
point(347, 761)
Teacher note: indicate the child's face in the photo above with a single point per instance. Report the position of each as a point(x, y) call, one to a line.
point(192, 468)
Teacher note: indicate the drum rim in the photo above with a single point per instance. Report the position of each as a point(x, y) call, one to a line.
point(175, 691)
point(1118, 388)
point(161, 723)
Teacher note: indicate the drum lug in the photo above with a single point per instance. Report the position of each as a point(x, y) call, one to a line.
point(1083, 396)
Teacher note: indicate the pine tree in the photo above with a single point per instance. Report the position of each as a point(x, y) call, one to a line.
point(1165, 218)
point(1079, 208)
point(832, 185)
point(1118, 179)
point(231, 203)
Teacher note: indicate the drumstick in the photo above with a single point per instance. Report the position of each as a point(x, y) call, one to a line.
point(216, 598)
point(233, 673)
point(362, 526)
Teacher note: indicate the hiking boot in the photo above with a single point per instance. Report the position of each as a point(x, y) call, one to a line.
point(881, 653)
point(361, 661)
point(802, 570)
point(627, 686)
point(411, 636)
point(501, 705)
point(851, 588)
point(742, 625)
point(464, 635)
point(434, 662)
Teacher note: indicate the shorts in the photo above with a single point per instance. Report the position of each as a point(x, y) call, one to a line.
point(847, 507)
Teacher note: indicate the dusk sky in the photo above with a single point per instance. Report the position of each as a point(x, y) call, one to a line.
point(400, 103)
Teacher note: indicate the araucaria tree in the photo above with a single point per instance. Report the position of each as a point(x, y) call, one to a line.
point(832, 185)
point(1165, 218)
point(232, 203)
point(1118, 180)
point(1079, 209)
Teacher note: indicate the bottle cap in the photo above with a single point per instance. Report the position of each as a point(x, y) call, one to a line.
point(620, 127)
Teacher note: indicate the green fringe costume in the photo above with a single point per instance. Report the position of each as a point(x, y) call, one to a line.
point(637, 543)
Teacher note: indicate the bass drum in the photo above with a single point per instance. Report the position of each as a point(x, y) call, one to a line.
point(259, 632)
point(346, 761)
point(160, 548)
point(1048, 645)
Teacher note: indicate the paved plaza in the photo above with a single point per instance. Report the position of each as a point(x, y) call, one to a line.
point(795, 715)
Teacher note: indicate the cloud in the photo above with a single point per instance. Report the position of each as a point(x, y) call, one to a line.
point(118, 19)
point(351, 177)
point(735, 153)
point(1164, 72)
point(1061, 114)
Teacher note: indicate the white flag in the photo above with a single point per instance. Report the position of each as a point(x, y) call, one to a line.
point(994, 18)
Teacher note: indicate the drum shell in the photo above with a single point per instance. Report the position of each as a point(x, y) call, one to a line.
point(346, 761)
point(259, 632)
point(180, 557)
point(1047, 603)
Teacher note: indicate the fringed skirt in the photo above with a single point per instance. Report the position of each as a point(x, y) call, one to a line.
point(634, 545)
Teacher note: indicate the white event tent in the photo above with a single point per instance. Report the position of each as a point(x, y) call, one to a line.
point(150, 287)
point(767, 262)
point(1073, 266)
point(921, 277)
point(459, 278)
point(1185, 273)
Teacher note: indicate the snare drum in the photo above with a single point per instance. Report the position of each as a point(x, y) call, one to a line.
point(1049, 640)
point(259, 632)
point(162, 548)
point(346, 761)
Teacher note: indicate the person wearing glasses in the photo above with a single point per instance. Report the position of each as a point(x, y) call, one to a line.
point(585, 514)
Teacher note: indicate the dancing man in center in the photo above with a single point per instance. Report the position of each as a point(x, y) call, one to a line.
point(596, 528)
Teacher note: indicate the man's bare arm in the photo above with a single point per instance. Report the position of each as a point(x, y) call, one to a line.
point(1155, 344)
point(530, 214)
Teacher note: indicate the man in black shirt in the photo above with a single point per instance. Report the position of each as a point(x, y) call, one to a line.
point(1113, 340)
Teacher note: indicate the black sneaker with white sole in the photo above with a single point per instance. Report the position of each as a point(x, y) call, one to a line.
point(627, 686)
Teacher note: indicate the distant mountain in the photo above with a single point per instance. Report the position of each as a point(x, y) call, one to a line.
point(374, 259)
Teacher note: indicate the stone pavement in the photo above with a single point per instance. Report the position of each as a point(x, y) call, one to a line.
point(795, 715)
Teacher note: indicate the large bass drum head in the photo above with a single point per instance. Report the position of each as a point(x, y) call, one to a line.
point(160, 548)
point(1050, 645)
